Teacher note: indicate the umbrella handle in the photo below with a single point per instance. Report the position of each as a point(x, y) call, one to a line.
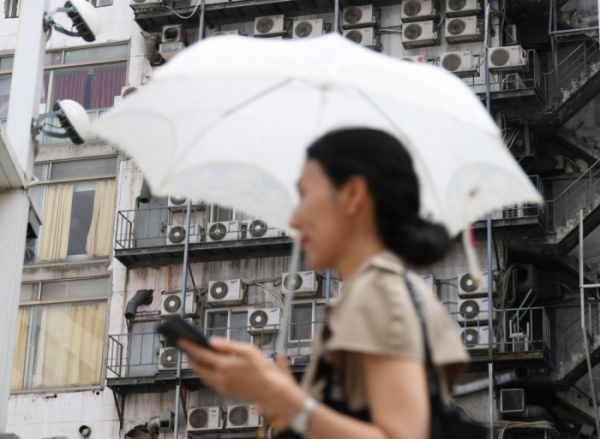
point(468, 239)
point(287, 302)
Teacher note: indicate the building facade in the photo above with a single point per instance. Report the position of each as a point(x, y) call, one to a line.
point(82, 360)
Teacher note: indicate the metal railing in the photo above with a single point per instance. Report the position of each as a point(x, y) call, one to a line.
point(164, 226)
point(573, 337)
point(139, 354)
point(516, 330)
point(530, 79)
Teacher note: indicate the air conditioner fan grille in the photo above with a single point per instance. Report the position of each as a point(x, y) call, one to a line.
point(353, 15)
point(238, 416)
point(452, 62)
point(172, 303)
point(470, 337)
point(265, 25)
point(292, 282)
point(355, 36)
point(177, 234)
point(500, 57)
point(178, 201)
point(198, 418)
point(412, 32)
point(259, 318)
point(457, 5)
point(411, 9)
point(467, 284)
point(469, 309)
point(168, 358)
point(303, 29)
point(456, 26)
point(219, 290)
point(257, 228)
point(217, 232)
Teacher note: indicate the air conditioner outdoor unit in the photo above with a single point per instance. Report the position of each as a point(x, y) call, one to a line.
point(508, 59)
point(171, 304)
point(364, 36)
point(173, 33)
point(417, 10)
point(459, 63)
point(264, 320)
point(146, 4)
point(419, 34)
point(242, 417)
point(175, 201)
point(358, 16)
point(223, 231)
point(515, 211)
point(511, 35)
point(475, 338)
point(169, 50)
point(257, 228)
point(456, 8)
point(474, 311)
point(271, 25)
point(167, 359)
point(226, 292)
point(463, 30)
point(429, 280)
point(301, 283)
point(415, 58)
point(467, 288)
point(307, 28)
point(176, 234)
point(204, 419)
point(218, 33)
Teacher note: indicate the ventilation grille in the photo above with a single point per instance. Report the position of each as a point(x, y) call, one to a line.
point(258, 228)
point(178, 201)
point(469, 309)
point(353, 15)
point(457, 5)
point(293, 282)
point(217, 232)
point(412, 31)
point(172, 303)
point(258, 318)
point(467, 283)
point(238, 416)
point(456, 26)
point(219, 290)
point(177, 234)
point(198, 418)
point(265, 25)
point(168, 358)
point(355, 36)
point(470, 337)
point(171, 34)
point(452, 62)
point(500, 57)
point(411, 9)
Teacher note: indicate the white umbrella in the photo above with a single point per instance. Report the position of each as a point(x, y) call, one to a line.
point(229, 119)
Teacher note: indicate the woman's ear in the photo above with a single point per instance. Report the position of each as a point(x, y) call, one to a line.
point(353, 195)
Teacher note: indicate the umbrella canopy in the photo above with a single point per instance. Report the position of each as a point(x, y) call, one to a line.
point(229, 119)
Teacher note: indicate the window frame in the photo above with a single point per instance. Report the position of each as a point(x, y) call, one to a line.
point(229, 310)
point(94, 4)
point(11, 8)
point(62, 389)
point(314, 302)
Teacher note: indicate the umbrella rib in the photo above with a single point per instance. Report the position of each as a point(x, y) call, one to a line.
point(406, 142)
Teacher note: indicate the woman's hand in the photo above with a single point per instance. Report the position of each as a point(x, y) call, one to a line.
point(240, 371)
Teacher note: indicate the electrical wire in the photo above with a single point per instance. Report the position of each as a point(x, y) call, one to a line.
point(189, 16)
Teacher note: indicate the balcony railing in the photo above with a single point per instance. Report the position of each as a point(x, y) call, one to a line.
point(139, 354)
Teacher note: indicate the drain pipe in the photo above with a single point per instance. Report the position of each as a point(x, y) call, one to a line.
point(140, 297)
point(519, 373)
point(153, 425)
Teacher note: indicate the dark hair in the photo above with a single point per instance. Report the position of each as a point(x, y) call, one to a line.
point(387, 167)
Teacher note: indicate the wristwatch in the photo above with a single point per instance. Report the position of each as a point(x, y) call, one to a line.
point(299, 423)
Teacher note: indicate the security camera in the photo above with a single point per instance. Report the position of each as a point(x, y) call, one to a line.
point(85, 431)
point(73, 119)
point(84, 18)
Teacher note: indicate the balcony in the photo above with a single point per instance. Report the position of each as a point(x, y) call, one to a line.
point(136, 365)
point(146, 237)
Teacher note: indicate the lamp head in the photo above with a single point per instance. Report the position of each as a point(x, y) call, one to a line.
point(85, 18)
point(74, 119)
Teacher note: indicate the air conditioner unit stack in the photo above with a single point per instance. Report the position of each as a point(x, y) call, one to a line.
point(219, 33)
point(269, 26)
point(307, 28)
point(226, 292)
point(417, 10)
point(241, 417)
point(363, 36)
point(202, 419)
point(171, 304)
point(475, 338)
point(301, 283)
point(176, 234)
point(167, 359)
point(138, 5)
point(359, 16)
point(173, 40)
point(463, 30)
point(474, 311)
point(457, 8)
point(508, 59)
point(459, 63)
point(223, 231)
point(419, 34)
point(415, 58)
point(467, 288)
point(257, 228)
point(264, 320)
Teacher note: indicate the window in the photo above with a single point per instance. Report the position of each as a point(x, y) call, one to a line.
point(60, 334)
point(304, 316)
point(99, 3)
point(77, 201)
point(92, 76)
point(228, 323)
point(11, 9)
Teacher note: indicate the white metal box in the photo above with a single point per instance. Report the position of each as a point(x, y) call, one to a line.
point(363, 36)
point(475, 338)
point(218, 33)
point(307, 28)
point(257, 228)
point(204, 419)
point(269, 26)
point(226, 292)
point(358, 16)
point(415, 58)
point(467, 287)
point(474, 310)
point(463, 30)
point(167, 359)
point(456, 8)
point(223, 231)
point(301, 283)
point(264, 320)
point(419, 34)
point(508, 59)
point(459, 63)
point(176, 234)
point(171, 304)
point(417, 10)
point(242, 416)
point(173, 33)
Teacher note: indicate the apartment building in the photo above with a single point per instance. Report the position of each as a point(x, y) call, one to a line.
point(83, 357)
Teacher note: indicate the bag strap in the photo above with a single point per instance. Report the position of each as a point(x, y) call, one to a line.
point(432, 374)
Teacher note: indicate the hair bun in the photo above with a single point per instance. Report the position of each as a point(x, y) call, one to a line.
point(422, 243)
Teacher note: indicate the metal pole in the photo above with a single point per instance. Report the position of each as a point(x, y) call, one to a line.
point(327, 286)
point(287, 302)
point(25, 95)
point(336, 16)
point(182, 313)
point(586, 346)
point(201, 28)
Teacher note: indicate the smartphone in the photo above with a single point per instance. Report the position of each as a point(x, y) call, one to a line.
point(176, 328)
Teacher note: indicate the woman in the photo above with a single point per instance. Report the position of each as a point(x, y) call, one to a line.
point(358, 214)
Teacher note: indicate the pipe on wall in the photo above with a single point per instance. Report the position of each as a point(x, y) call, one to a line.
point(140, 297)
point(519, 373)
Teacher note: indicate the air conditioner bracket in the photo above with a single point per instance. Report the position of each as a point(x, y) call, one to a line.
point(120, 405)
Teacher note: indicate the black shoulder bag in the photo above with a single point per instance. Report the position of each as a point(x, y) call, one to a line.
point(446, 421)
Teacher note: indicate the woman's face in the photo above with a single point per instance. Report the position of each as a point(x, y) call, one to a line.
point(319, 217)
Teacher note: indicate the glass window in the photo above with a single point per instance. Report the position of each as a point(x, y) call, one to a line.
point(52, 58)
point(95, 54)
point(320, 312)
point(6, 63)
point(217, 323)
point(73, 289)
point(219, 213)
point(239, 326)
point(41, 172)
point(84, 168)
point(5, 81)
point(99, 3)
point(11, 8)
point(28, 292)
point(301, 322)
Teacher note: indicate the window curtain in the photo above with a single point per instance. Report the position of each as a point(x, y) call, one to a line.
point(4, 95)
point(18, 367)
point(70, 345)
point(99, 237)
point(56, 222)
point(107, 82)
point(70, 84)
